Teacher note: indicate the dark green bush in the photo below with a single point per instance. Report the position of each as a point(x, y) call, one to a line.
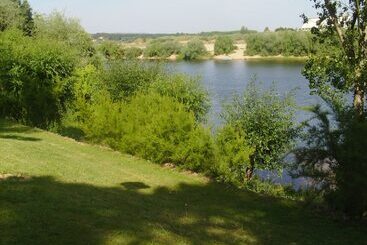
point(193, 50)
point(333, 156)
point(224, 45)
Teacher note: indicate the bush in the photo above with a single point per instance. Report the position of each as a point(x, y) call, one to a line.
point(233, 154)
point(132, 52)
point(124, 78)
point(224, 45)
point(67, 30)
point(162, 48)
point(194, 50)
point(151, 126)
point(296, 43)
point(33, 77)
point(266, 122)
point(185, 90)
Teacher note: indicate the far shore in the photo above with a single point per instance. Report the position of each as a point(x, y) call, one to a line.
point(235, 58)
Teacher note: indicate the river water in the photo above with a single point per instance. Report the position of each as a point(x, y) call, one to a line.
point(223, 79)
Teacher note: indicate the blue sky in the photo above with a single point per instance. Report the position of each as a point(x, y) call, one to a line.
point(170, 16)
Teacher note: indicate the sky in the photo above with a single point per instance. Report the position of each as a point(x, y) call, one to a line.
point(171, 16)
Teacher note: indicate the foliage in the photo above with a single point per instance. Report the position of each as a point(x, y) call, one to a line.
point(67, 30)
point(341, 65)
point(233, 153)
point(333, 157)
point(111, 50)
point(162, 48)
point(10, 15)
point(124, 78)
point(82, 193)
point(193, 50)
point(152, 126)
point(266, 121)
point(185, 90)
point(296, 43)
point(160, 129)
point(132, 52)
point(33, 77)
point(16, 14)
point(224, 45)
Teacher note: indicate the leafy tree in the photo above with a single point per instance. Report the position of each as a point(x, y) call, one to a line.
point(224, 45)
point(67, 30)
point(333, 157)
point(341, 64)
point(28, 23)
point(10, 15)
point(266, 121)
point(193, 50)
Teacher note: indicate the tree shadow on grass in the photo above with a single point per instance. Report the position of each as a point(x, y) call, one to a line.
point(42, 210)
point(18, 137)
point(11, 127)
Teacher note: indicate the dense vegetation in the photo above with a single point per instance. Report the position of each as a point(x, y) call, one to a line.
point(162, 48)
point(287, 43)
point(53, 77)
point(333, 156)
point(193, 50)
point(224, 45)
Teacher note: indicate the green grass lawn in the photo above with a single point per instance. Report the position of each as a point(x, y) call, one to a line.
point(54, 190)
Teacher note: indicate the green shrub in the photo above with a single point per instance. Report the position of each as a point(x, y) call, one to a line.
point(193, 50)
point(162, 48)
point(224, 45)
point(152, 126)
point(67, 30)
point(185, 90)
point(296, 43)
point(124, 78)
point(233, 153)
point(266, 121)
point(33, 77)
point(160, 129)
point(132, 52)
point(111, 50)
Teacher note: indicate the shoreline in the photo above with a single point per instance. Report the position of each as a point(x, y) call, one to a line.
point(236, 58)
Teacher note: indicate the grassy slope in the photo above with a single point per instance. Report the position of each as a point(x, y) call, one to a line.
point(81, 194)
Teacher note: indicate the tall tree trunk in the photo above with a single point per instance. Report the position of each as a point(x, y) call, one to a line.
point(358, 101)
point(250, 169)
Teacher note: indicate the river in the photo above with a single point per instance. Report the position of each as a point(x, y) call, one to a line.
point(223, 79)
